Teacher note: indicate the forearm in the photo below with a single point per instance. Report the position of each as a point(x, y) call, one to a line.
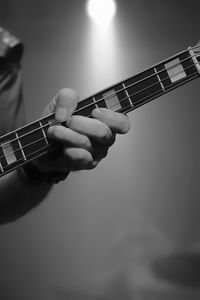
point(18, 195)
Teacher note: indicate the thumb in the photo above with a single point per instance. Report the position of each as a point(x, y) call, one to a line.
point(64, 105)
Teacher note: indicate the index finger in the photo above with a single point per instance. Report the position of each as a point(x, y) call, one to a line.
point(65, 104)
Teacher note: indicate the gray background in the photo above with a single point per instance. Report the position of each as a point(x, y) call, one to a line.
point(99, 234)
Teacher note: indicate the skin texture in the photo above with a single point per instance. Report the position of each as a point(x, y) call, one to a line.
point(85, 141)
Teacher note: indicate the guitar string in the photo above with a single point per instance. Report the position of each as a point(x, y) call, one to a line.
point(142, 80)
point(46, 148)
point(7, 170)
point(137, 82)
point(109, 96)
point(54, 122)
point(125, 88)
point(148, 87)
point(141, 102)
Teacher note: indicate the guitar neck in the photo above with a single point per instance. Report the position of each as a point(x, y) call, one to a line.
point(29, 142)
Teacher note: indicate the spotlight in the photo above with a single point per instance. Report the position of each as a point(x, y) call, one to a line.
point(101, 11)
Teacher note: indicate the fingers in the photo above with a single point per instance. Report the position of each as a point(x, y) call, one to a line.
point(79, 159)
point(66, 102)
point(69, 137)
point(67, 159)
point(64, 105)
point(85, 141)
point(75, 159)
point(117, 122)
point(92, 128)
point(80, 130)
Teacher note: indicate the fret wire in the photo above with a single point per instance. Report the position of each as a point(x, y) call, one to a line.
point(162, 70)
point(159, 79)
point(20, 145)
point(127, 94)
point(155, 93)
point(141, 80)
point(54, 122)
point(194, 58)
point(23, 162)
point(152, 85)
point(17, 149)
point(141, 101)
point(41, 127)
point(190, 77)
point(94, 102)
point(135, 106)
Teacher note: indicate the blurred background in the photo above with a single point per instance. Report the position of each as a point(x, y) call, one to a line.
point(130, 229)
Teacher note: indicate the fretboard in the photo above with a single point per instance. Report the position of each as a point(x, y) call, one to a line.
point(29, 142)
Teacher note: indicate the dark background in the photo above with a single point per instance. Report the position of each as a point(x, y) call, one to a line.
point(130, 228)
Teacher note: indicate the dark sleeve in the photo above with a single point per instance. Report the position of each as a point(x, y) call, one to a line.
point(12, 113)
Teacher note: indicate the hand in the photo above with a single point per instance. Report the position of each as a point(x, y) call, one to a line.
point(85, 140)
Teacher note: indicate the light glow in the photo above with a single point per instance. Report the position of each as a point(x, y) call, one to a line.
point(101, 11)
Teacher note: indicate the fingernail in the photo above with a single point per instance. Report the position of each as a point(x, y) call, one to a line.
point(61, 114)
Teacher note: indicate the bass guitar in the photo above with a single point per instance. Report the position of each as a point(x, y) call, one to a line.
point(20, 146)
